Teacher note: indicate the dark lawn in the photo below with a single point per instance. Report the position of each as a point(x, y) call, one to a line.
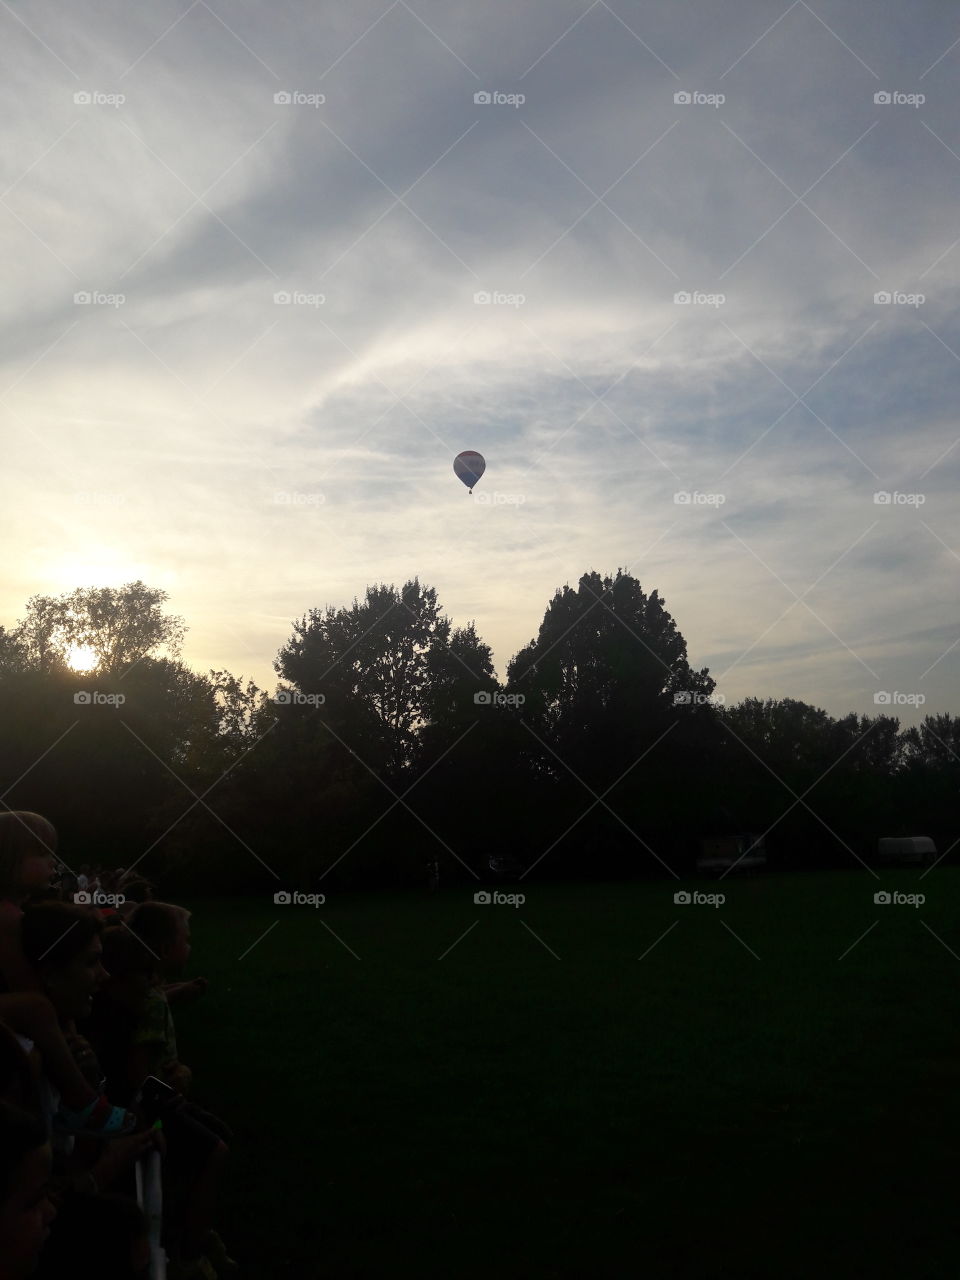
point(501, 1111)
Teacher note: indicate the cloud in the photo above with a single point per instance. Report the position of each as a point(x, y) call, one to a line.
point(186, 409)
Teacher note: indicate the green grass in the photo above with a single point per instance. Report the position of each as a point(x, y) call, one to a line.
point(501, 1111)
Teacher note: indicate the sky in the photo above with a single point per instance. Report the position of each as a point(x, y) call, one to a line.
point(269, 267)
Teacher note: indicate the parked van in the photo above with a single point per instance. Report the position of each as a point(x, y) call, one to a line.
point(914, 850)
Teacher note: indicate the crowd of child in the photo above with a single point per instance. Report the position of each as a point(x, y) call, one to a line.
point(90, 1075)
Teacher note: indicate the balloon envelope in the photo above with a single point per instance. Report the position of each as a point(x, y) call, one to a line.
point(469, 467)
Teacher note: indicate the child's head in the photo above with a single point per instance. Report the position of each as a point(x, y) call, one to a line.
point(62, 942)
point(25, 1208)
point(28, 844)
point(165, 929)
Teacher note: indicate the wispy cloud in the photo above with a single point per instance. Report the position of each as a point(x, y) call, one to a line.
point(258, 457)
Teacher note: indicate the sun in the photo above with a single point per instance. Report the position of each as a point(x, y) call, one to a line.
point(80, 657)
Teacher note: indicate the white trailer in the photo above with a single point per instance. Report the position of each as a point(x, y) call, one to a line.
point(912, 850)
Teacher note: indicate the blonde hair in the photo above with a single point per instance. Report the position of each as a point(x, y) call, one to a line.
point(22, 835)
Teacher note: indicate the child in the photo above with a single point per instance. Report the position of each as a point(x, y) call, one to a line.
point(164, 930)
point(117, 1020)
point(92, 1234)
point(118, 1008)
point(62, 940)
point(196, 1140)
point(27, 845)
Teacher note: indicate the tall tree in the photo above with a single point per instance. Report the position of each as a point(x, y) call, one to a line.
point(120, 625)
point(372, 665)
point(601, 683)
point(934, 743)
point(604, 669)
point(41, 636)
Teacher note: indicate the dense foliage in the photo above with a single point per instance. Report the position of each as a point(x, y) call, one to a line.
point(389, 743)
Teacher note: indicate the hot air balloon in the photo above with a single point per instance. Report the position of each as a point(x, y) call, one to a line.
point(469, 467)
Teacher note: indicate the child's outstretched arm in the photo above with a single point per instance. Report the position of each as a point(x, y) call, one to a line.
point(184, 992)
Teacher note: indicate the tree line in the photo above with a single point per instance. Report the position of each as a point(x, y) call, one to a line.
point(389, 743)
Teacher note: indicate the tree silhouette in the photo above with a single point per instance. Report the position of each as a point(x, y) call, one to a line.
point(601, 682)
point(604, 669)
point(120, 624)
point(602, 756)
point(372, 665)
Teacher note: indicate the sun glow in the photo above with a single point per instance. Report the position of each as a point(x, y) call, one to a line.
point(97, 567)
point(80, 657)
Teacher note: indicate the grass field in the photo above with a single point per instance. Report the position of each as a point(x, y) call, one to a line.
point(561, 1094)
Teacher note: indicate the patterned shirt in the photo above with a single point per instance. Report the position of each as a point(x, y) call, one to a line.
point(156, 1032)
